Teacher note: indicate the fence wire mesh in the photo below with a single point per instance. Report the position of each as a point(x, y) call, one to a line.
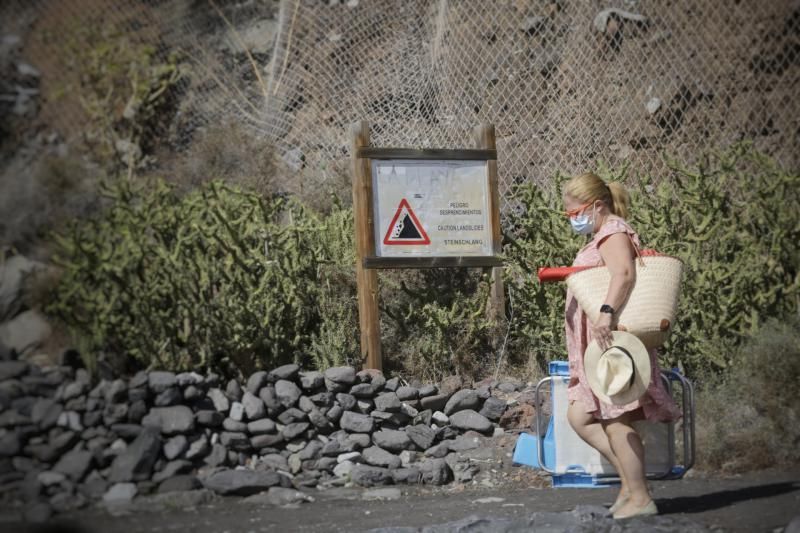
point(567, 83)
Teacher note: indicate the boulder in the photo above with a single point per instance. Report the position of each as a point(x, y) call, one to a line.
point(392, 384)
point(461, 400)
point(259, 427)
point(275, 461)
point(233, 390)
point(313, 380)
point(159, 381)
point(266, 440)
point(270, 399)
point(388, 402)
point(392, 440)
point(356, 423)
point(470, 420)
point(493, 408)
point(220, 401)
point(235, 441)
point(75, 465)
point(198, 448)
point(287, 393)
point(120, 494)
point(339, 378)
point(170, 396)
point(136, 462)
point(186, 379)
point(286, 372)
point(237, 411)
point(305, 404)
point(347, 401)
point(209, 418)
point(408, 475)
point(174, 447)
point(422, 436)
point(292, 415)
point(45, 413)
point(426, 390)
point(172, 468)
point(407, 393)
point(229, 424)
point(253, 406)
point(435, 472)
point(172, 420)
point(116, 392)
point(370, 476)
point(218, 455)
point(376, 456)
point(363, 390)
point(435, 402)
point(438, 451)
point(255, 382)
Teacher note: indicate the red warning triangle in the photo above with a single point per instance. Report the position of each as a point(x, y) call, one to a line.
point(405, 227)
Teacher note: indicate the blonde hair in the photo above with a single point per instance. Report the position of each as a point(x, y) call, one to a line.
point(590, 187)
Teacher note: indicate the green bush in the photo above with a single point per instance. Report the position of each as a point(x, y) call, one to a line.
point(226, 279)
point(732, 220)
point(434, 323)
point(219, 278)
point(537, 235)
point(337, 341)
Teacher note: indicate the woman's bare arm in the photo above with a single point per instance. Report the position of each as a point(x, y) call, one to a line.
point(617, 253)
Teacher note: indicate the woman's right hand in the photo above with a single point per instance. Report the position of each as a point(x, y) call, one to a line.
point(601, 331)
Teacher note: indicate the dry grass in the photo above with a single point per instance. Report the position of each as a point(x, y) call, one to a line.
point(750, 417)
point(230, 153)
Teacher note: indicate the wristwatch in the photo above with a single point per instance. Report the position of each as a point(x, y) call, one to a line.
point(605, 308)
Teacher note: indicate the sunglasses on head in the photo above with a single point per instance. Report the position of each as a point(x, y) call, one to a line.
point(574, 212)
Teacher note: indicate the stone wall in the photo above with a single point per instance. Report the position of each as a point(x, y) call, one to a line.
point(66, 442)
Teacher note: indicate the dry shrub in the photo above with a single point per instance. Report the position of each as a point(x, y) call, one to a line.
point(229, 153)
point(750, 417)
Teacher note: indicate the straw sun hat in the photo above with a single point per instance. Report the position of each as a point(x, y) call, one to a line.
point(621, 374)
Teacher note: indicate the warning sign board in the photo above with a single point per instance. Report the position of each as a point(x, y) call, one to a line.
point(431, 208)
point(405, 228)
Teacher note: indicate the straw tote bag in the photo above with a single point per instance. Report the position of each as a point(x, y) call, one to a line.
point(650, 310)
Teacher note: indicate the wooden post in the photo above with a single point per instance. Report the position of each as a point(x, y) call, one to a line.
point(366, 279)
point(485, 139)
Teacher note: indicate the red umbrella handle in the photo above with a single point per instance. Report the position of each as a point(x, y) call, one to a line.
point(550, 274)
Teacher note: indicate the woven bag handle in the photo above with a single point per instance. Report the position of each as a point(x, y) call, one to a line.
point(635, 249)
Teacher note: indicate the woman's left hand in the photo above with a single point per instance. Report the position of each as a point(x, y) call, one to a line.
point(601, 331)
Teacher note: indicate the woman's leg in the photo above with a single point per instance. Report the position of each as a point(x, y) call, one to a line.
point(629, 450)
point(591, 431)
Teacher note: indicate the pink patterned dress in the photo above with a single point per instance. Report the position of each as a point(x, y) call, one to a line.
point(656, 404)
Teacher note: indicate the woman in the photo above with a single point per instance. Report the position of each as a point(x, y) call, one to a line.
point(598, 210)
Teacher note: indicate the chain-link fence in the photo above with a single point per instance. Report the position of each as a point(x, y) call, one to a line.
point(567, 83)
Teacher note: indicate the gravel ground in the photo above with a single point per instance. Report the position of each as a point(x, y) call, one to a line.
point(760, 501)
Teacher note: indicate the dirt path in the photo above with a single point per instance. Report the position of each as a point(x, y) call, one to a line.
point(763, 501)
